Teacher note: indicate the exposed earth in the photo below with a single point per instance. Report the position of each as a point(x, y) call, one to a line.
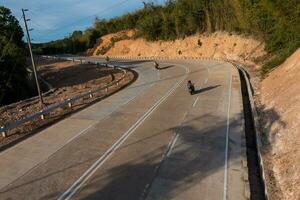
point(240, 48)
point(280, 121)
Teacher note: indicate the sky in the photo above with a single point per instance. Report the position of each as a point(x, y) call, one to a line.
point(56, 19)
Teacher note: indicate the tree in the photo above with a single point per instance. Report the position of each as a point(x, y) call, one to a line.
point(13, 73)
point(9, 27)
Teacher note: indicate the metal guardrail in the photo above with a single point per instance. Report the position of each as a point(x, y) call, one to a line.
point(12, 125)
point(255, 121)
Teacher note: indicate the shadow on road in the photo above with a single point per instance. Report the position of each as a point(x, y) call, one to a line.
point(166, 67)
point(202, 90)
point(198, 153)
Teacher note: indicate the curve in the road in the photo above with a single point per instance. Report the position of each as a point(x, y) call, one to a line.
point(195, 141)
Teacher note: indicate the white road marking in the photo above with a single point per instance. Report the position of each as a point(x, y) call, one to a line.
point(167, 153)
point(195, 102)
point(173, 142)
point(82, 179)
point(126, 102)
point(227, 138)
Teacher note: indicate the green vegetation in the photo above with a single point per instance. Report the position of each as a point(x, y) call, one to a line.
point(13, 74)
point(274, 21)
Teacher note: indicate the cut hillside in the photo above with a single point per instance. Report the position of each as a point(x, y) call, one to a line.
point(280, 121)
point(108, 41)
point(217, 45)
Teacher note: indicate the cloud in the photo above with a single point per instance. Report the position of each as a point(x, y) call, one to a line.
point(53, 19)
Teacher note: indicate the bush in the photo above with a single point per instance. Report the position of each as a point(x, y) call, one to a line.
point(199, 43)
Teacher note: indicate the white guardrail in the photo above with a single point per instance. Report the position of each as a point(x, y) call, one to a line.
point(41, 114)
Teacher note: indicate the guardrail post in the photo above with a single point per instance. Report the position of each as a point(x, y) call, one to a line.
point(42, 117)
point(69, 104)
point(91, 94)
point(118, 83)
point(106, 89)
point(3, 133)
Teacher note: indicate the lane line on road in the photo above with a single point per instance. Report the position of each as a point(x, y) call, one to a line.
point(83, 179)
point(227, 138)
point(173, 142)
point(166, 154)
point(168, 151)
point(195, 102)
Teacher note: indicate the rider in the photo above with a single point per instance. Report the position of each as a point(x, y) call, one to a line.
point(191, 87)
point(190, 84)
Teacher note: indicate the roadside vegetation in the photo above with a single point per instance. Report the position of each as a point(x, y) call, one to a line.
point(274, 21)
point(13, 74)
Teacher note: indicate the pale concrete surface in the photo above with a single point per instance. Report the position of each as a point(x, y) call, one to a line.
point(194, 169)
point(139, 169)
point(18, 160)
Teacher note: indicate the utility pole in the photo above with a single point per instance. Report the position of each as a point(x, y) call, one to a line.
point(32, 60)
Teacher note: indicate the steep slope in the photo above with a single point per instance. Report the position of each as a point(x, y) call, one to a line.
point(280, 99)
point(219, 44)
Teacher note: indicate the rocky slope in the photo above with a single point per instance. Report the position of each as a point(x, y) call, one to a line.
point(220, 45)
point(280, 108)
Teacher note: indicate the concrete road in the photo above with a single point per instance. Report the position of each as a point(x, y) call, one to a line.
point(152, 140)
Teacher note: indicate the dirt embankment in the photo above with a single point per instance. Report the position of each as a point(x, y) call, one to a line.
point(219, 45)
point(280, 121)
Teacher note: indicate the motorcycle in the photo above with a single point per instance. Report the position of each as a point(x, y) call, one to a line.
point(191, 89)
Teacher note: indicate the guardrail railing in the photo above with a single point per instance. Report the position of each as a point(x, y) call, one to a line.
point(41, 114)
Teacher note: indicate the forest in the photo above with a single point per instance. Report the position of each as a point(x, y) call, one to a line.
point(274, 21)
point(13, 73)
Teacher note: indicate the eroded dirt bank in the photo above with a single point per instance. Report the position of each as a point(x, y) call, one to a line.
point(280, 121)
point(219, 45)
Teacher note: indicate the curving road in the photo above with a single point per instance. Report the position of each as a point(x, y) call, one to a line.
point(151, 141)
